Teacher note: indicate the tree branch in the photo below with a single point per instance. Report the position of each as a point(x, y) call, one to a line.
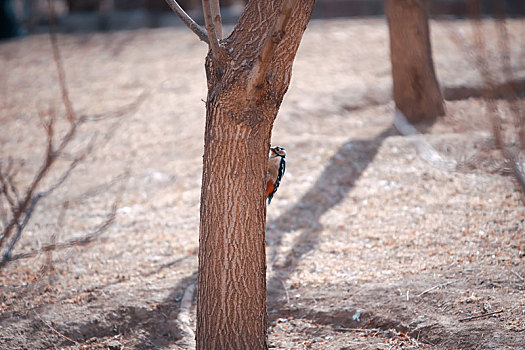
point(28, 212)
point(210, 28)
point(70, 112)
point(10, 193)
point(4, 181)
point(81, 241)
point(508, 90)
point(482, 62)
point(51, 153)
point(22, 207)
point(273, 39)
point(216, 15)
point(188, 21)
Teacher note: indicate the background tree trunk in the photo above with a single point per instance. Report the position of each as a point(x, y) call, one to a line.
point(231, 300)
point(416, 90)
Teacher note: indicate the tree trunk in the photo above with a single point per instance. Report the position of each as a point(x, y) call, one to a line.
point(231, 301)
point(416, 90)
point(232, 260)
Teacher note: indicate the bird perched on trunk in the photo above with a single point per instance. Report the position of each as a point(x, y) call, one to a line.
point(276, 168)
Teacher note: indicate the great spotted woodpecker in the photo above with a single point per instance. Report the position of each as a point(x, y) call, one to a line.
point(276, 168)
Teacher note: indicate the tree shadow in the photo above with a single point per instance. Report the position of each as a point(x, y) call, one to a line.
point(157, 326)
point(332, 186)
point(330, 189)
point(507, 90)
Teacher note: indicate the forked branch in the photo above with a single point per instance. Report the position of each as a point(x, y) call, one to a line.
point(21, 205)
point(188, 21)
point(274, 37)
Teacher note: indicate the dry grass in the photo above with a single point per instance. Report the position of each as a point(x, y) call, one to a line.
point(359, 223)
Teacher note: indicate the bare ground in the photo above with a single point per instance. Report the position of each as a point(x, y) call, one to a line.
point(359, 233)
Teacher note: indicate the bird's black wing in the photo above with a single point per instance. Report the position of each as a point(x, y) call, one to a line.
point(280, 173)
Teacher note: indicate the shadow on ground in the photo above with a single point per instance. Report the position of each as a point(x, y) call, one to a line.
point(332, 186)
point(156, 327)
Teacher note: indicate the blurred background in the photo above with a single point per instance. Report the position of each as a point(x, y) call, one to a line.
point(92, 15)
point(362, 220)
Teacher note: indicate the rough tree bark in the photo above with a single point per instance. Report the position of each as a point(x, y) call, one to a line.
point(416, 90)
point(248, 74)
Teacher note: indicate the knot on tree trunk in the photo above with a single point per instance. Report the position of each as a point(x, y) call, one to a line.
point(278, 36)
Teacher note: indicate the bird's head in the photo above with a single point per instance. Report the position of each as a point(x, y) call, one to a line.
point(277, 151)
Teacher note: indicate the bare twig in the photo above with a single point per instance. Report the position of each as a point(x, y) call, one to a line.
point(7, 186)
point(481, 62)
point(49, 127)
point(51, 153)
point(216, 15)
point(11, 182)
point(435, 287)
point(274, 37)
point(3, 215)
point(210, 29)
point(479, 57)
point(357, 330)
point(482, 65)
point(23, 206)
point(81, 241)
point(34, 201)
point(481, 316)
point(48, 266)
point(96, 190)
point(517, 275)
point(24, 209)
point(51, 156)
point(125, 110)
point(510, 155)
point(8, 204)
point(70, 112)
point(57, 332)
point(28, 200)
point(188, 21)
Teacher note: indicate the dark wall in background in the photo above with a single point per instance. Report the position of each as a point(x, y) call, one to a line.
point(95, 15)
point(323, 8)
point(459, 8)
